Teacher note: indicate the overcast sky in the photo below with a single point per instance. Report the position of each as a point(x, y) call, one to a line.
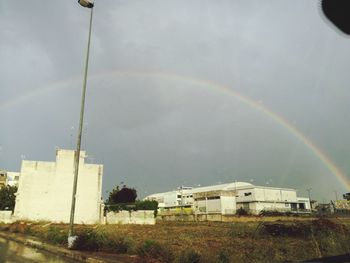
point(150, 118)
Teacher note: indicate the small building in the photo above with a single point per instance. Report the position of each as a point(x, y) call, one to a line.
point(12, 179)
point(45, 190)
point(3, 178)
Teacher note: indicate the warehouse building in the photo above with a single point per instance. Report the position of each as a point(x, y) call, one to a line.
point(226, 199)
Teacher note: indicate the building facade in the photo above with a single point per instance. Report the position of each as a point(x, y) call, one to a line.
point(12, 179)
point(45, 190)
point(3, 178)
point(226, 199)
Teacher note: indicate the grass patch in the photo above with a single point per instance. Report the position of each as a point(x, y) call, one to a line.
point(248, 239)
point(151, 249)
point(190, 256)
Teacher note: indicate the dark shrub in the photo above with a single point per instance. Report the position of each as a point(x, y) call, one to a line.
point(223, 257)
point(87, 240)
point(119, 245)
point(277, 213)
point(242, 212)
point(56, 236)
point(190, 256)
point(297, 229)
point(152, 249)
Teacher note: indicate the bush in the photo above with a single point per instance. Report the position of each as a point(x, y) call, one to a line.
point(289, 230)
point(87, 240)
point(152, 249)
point(276, 213)
point(55, 235)
point(242, 212)
point(8, 197)
point(190, 256)
point(223, 257)
point(119, 245)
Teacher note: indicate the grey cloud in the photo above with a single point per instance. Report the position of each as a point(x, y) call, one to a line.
point(154, 132)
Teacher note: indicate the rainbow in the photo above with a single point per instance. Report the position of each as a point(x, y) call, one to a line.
point(328, 163)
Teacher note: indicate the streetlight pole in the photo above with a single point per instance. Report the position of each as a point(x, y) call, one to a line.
point(309, 192)
point(80, 131)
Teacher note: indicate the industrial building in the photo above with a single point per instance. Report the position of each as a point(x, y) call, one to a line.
point(226, 199)
point(45, 190)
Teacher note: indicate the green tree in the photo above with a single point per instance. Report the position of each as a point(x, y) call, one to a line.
point(7, 197)
point(120, 198)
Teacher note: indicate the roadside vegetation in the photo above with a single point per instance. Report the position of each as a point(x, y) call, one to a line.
point(7, 197)
point(247, 239)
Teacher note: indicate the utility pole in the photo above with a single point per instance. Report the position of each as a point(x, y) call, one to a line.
point(71, 238)
point(309, 192)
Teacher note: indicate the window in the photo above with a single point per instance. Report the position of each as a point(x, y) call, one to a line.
point(213, 197)
point(247, 194)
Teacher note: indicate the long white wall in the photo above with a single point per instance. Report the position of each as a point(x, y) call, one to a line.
point(45, 190)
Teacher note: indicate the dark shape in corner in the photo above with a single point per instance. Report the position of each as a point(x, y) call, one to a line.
point(338, 12)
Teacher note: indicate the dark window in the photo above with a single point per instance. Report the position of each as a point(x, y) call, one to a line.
point(247, 194)
point(213, 197)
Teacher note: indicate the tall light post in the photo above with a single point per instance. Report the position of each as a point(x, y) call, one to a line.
point(71, 238)
point(309, 192)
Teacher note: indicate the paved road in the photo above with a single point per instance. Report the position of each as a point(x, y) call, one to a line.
point(12, 252)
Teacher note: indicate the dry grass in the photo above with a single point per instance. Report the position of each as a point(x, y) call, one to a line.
point(238, 241)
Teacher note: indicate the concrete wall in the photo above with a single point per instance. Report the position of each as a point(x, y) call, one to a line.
point(140, 217)
point(6, 217)
point(45, 190)
point(228, 205)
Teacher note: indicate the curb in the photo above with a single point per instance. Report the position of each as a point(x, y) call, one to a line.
point(87, 257)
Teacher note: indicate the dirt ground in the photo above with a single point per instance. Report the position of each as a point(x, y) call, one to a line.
point(246, 239)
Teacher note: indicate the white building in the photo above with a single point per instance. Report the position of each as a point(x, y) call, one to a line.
point(45, 190)
point(3, 178)
point(227, 198)
point(12, 179)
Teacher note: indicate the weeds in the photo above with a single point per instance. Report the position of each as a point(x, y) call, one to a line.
point(153, 249)
point(190, 256)
point(223, 257)
point(55, 235)
point(87, 240)
point(242, 212)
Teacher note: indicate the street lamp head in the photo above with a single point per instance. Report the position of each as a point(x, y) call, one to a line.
point(86, 3)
